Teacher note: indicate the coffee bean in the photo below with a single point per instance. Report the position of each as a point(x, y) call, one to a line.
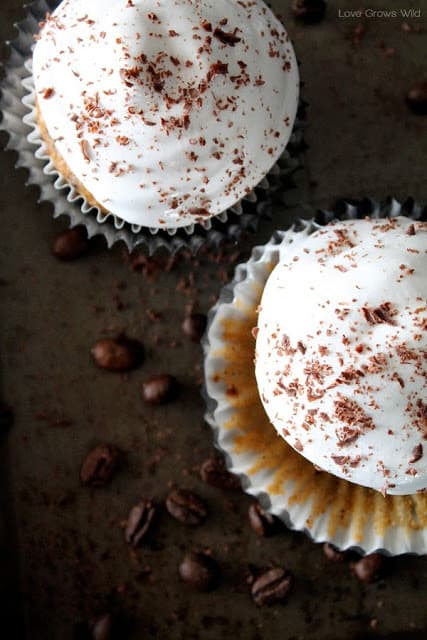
point(99, 465)
point(102, 627)
point(140, 522)
point(262, 522)
point(186, 507)
point(368, 568)
point(70, 244)
point(272, 586)
point(309, 11)
point(332, 553)
point(214, 472)
point(417, 99)
point(194, 326)
point(160, 389)
point(117, 354)
point(200, 571)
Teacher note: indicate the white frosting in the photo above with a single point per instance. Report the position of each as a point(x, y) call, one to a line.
point(341, 351)
point(167, 111)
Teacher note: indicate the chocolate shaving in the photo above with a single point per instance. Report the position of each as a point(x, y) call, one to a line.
point(411, 230)
point(298, 445)
point(355, 419)
point(217, 68)
point(379, 314)
point(199, 211)
point(84, 145)
point(301, 347)
point(346, 460)
point(226, 38)
point(340, 460)
point(417, 453)
point(48, 93)
point(206, 25)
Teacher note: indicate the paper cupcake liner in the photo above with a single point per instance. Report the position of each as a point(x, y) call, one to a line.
point(323, 506)
point(17, 107)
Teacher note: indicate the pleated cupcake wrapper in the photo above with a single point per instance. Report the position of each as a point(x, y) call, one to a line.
point(325, 507)
point(17, 104)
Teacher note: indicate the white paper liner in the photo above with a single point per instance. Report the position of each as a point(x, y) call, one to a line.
point(17, 107)
point(236, 304)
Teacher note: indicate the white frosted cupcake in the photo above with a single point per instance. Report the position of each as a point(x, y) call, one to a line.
point(327, 427)
point(341, 351)
point(164, 114)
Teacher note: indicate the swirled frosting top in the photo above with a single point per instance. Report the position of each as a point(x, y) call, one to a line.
point(167, 111)
point(341, 351)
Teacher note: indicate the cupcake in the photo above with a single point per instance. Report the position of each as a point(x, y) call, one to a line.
point(341, 352)
point(163, 114)
point(323, 414)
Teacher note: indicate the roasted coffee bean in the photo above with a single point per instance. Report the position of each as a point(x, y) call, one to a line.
point(102, 627)
point(262, 522)
point(369, 568)
point(417, 99)
point(140, 522)
point(272, 586)
point(194, 326)
point(332, 553)
point(160, 389)
point(200, 571)
point(309, 11)
point(186, 507)
point(99, 465)
point(117, 354)
point(70, 244)
point(214, 472)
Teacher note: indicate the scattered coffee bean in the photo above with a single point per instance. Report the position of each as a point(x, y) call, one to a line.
point(186, 507)
point(332, 553)
point(102, 627)
point(272, 586)
point(140, 522)
point(99, 465)
point(262, 522)
point(309, 11)
point(160, 389)
point(200, 571)
point(417, 99)
point(369, 568)
point(194, 326)
point(70, 244)
point(214, 472)
point(117, 354)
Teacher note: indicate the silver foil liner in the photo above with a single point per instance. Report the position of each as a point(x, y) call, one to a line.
point(16, 105)
point(237, 418)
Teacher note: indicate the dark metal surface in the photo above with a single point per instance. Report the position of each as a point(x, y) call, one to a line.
point(62, 553)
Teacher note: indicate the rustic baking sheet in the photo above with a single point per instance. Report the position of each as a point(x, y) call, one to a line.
point(62, 553)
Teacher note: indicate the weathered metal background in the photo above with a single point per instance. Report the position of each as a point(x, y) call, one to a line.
point(62, 554)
